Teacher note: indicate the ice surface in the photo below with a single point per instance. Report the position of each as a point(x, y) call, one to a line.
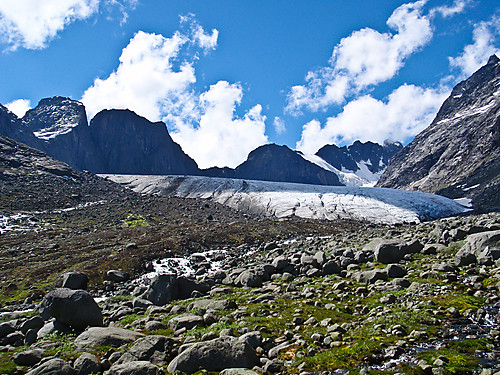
point(378, 205)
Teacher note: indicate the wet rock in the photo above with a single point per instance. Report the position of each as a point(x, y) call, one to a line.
point(74, 308)
point(214, 355)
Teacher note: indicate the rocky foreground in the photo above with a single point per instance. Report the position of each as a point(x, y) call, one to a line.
point(419, 299)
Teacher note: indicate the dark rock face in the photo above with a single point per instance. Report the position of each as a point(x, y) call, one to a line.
point(278, 163)
point(375, 156)
point(458, 155)
point(127, 143)
point(117, 141)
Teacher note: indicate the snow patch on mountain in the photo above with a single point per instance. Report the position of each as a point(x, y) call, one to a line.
point(362, 177)
point(377, 205)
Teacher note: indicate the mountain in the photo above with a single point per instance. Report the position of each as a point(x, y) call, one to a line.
point(117, 141)
point(458, 155)
point(281, 164)
point(120, 141)
point(367, 161)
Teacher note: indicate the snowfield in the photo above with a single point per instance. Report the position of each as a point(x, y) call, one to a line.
point(377, 205)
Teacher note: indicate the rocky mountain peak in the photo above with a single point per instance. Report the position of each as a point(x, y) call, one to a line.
point(55, 116)
point(458, 155)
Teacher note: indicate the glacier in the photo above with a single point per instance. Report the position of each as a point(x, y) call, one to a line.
point(376, 205)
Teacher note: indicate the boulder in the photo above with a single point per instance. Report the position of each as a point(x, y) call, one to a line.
point(156, 349)
point(105, 336)
point(117, 276)
point(28, 357)
point(395, 271)
point(212, 304)
point(166, 288)
point(35, 322)
point(386, 251)
point(54, 366)
point(73, 308)
point(187, 321)
point(75, 280)
point(215, 355)
point(134, 368)
point(369, 277)
point(87, 364)
point(485, 245)
point(238, 371)
point(331, 268)
point(249, 278)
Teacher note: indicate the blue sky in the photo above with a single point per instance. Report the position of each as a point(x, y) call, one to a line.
point(228, 76)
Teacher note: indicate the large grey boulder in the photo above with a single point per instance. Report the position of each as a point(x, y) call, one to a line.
point(187, 321)
point(485, 245)
point(386, 251)
point(156, 349)
point(87, 364)
point(75, 280)
point(215, 355)
point(212, 304)
point(104, 336)
point(166, 288)
point(117, 276)
point(370, 277)
point(249, 278)
point(73, 308)
point(54, 366)
point(134, 368)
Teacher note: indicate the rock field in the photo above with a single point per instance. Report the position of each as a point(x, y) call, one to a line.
point(410, 299)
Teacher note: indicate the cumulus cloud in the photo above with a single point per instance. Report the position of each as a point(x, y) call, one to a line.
point(32, 24)
point(485, 42)
point(145, 78)
point(219, 138)
point(155, 78)
point(364, 58)
point(19, 107)
point(407, 111)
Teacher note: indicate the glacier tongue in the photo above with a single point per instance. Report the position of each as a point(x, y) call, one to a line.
point(377, 205)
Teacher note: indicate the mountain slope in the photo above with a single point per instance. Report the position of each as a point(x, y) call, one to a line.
point(458, 155)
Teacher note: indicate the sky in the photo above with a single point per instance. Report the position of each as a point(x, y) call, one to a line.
point(228, 76)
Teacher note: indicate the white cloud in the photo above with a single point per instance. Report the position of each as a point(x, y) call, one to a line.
point(475, 55)
point(219, 138)
point(19, 107)
point(145, 77)
point(279, 126)
point(449, 11)
point(364, 58)
point(155, 79)
point(406, 112)
point(32, 24)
